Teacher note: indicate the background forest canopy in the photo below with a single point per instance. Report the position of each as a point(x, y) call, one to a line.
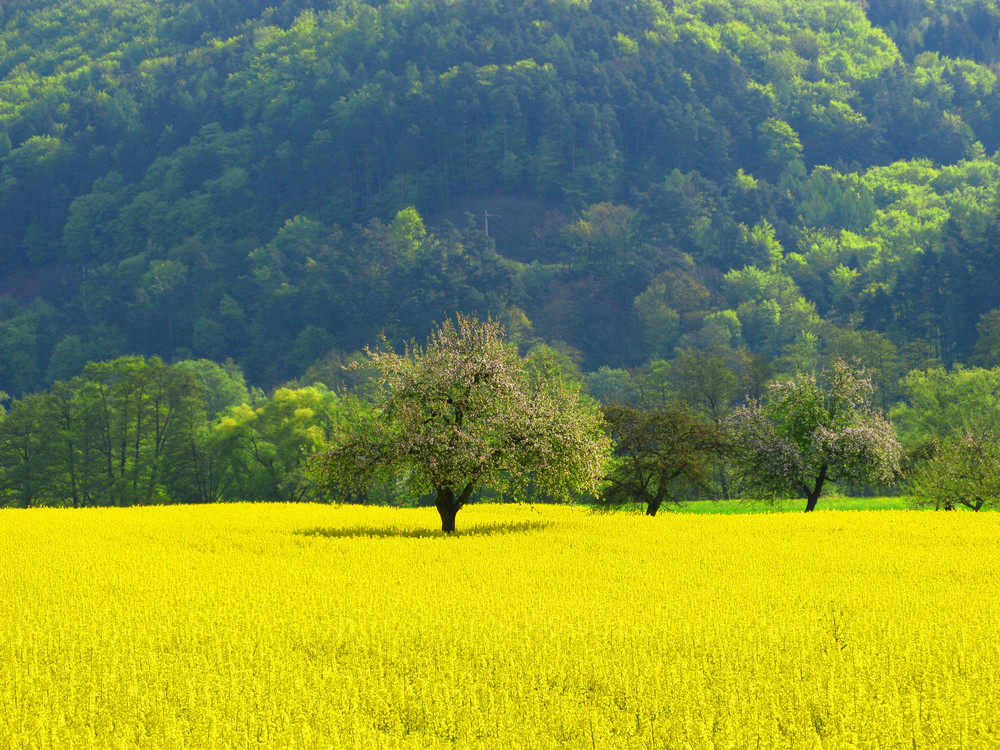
point(642, 190)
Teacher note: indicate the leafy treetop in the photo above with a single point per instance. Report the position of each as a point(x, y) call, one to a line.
point(468, 411)
point(809, 430)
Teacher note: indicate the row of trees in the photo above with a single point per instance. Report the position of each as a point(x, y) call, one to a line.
point(804, 433)
point(468, 413)
point(139, 431)
point(801, 433)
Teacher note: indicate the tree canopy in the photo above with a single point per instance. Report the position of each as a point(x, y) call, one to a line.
point(273, 182)
point(465, 412)
point(810, 430)
point(661, 455)
point(963, 470)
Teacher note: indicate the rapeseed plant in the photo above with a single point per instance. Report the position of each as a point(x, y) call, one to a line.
point(300, 626)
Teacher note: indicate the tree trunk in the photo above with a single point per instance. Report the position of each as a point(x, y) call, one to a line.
point(447, 506)
point(812, 496)
point(652, 507)
point(723, 476)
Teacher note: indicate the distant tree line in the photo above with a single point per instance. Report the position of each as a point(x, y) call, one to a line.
point(138, 431)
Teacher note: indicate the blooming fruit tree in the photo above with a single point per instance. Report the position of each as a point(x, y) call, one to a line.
point(963, 470)
point(810, 430)
point(468, 411)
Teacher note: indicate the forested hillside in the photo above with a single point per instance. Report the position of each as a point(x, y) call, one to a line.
point(774, 182)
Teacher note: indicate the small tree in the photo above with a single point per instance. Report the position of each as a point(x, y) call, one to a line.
point(658, 453)
point(464, 412)
point(808, 431)
point(964, 469)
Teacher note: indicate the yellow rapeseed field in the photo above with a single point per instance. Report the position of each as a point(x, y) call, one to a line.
point(548, 627)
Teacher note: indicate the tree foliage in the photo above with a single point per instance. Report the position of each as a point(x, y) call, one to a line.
point(810, 430)
point(464, 412)
point(269, 182)
point(963, 470)
point(940, 403)
point(138, 431)
point(661, 455)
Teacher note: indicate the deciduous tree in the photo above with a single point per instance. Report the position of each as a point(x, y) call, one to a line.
point(266, 444)
point(964, 469)
point(813, 429)
point(658, 453)
point(468, 411)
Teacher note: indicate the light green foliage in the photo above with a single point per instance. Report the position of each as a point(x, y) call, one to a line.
point(612, 386)
point(941, 402)
point(721, 330)
point(408, 228)
point(269, 442)
point(834, 200)
point(783, 148)
point(771, 311)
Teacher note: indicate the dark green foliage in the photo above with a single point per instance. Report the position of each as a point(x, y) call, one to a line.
point(281, 182)
point(661, 455)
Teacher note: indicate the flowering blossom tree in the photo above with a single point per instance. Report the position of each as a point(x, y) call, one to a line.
point(964, 469)
point(811, 430)
point(468, 411)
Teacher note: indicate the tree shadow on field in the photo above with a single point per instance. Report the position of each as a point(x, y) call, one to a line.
point(491, 529)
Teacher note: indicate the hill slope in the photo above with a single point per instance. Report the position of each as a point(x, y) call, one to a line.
point(229, 177)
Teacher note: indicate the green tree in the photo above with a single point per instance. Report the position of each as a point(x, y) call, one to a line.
point(940, 402)
point(223, 385)
point(659, 454)
point(964, 470)
point(268, 442)
point(987, 350)
point(468, 411)
point(710, 383)
point(196, 468)
point(68, 445)
point(23, 449)
point(810, 430)
point(131, 409)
